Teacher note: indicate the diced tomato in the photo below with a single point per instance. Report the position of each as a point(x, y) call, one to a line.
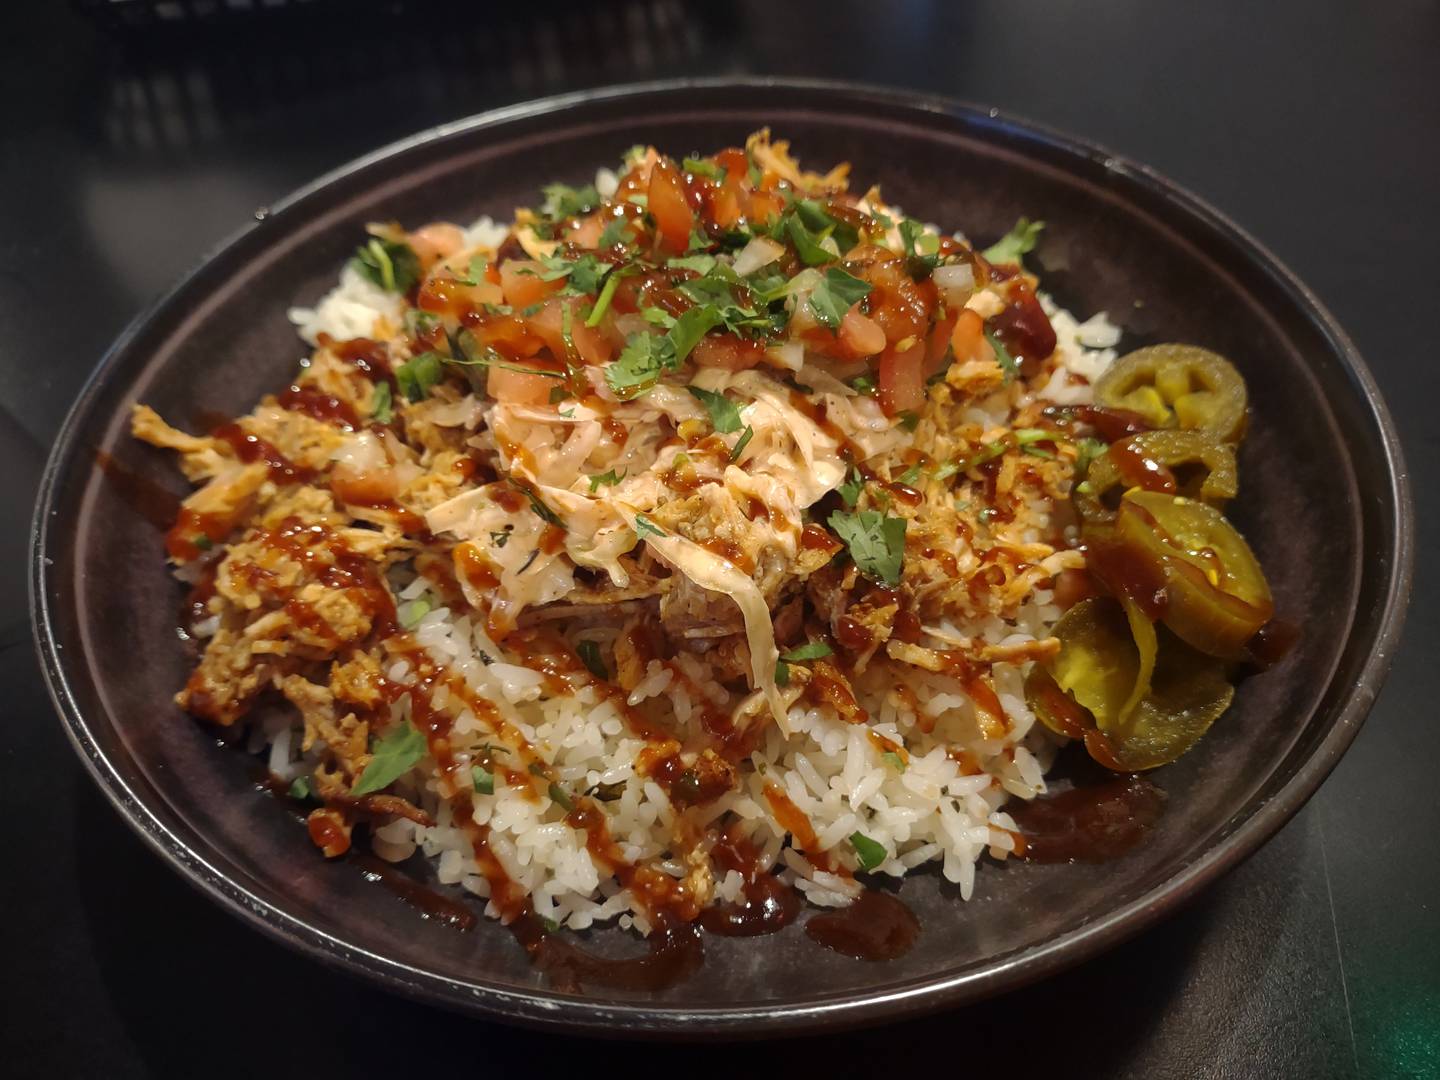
point(586, 231)
point(860, 335)
point(901, 387)
point(968, 338)
point(436, 241)
point(508, 334)
point(443, 295)
point(669, 207)
point(522, 284)
point(592, 344)
point(727, 351)
point(939, 343)
point(518, 387)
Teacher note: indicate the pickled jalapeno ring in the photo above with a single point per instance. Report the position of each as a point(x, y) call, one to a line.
point(1189, 463)
point(1178, 386)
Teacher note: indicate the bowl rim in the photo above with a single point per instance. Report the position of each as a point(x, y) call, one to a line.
point(543, 1009)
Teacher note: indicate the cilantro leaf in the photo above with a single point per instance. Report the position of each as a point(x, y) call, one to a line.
point(608, 479)
point(590, 653)
point(644, 526)
point(544, 512)
point(616, 231)
point(782, 673)
point(1007, 362)
point(382, 406)
point(852, 487)
point(806, 243)
point(700, 167)
point(1019, 241)
point(689, 328)
point(701, 264)
point(390, 264)
point(563, 201)
point(585, 273)
point(640, 364)
point(724, 415)
point(417, 376)
point(876, 542)
point(871, 853)
point(811, 650)
point(835, 294)
point(894, 760)
point(394, 754)
point(742, 442)
point(863, 384)
point(1089, 449)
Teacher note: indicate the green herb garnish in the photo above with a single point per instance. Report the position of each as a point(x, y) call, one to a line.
point(301, 789)
point(894, 760)
point(851, 488)
point(1019, 241)
point(742, 442)
point(1002, 357)
point(644, 526)
point(382, 405)
point(559, 795)
point(724, 415)
point(390, 264)
point(876, 542)
point(835, 294)
point(412, 612)
point(544, 512)
point(870, 853)
point(418, 375)
point(483, 779)
point(393, 755)
point(811, 650)
point(607, 479)
point(589, 652)
point(563, 201)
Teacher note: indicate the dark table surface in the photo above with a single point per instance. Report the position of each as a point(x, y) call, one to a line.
point(124, 157)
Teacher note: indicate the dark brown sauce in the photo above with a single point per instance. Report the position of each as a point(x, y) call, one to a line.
point(1137, 470)
point(1119, 569)
point(674, 953)
point(1272, 643)
point(251, 448)
point(1111, 424)
point(768, 904)
point(318, 405)
point(877, 926)
point(1024, 329)
point(1089, 824)
point(430, 904)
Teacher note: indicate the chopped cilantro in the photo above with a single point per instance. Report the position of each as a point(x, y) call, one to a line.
point(584, 273)
point(658, 317)
point(742, 442)
point(559, 394)
point(700, 167)
point(870, 853)
point(644, 526)
point(909, 421)
point(811, 650)
point(853, 485)
point(689, 328)
point(483, 779)
point(863, 384)
point(561, 796)
point(590, 653)
point(608, 479)
point(1019, 241)
point(382, 406)
point(835, 294)
point(724, 415)
point(616, 231)
point(894, 760)
point(701, 264)
point(418, 375)
point(782, 673)
point(910, 475)
point(602, 302)
point(544, 512)
point(563, 201)
point(699, 241)
point(1020, 438)
point(469, 353)
point(301, 789)
point(876, 542)
point(421, 323)
point(390, 264)
point(394, 754)
point(203, 542)
point(1002, 357)
point(412, 612)
point(640, 364)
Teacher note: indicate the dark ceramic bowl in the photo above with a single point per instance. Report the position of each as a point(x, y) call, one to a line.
point(1324, 502)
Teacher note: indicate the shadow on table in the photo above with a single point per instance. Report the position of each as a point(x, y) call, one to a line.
point(197, 990)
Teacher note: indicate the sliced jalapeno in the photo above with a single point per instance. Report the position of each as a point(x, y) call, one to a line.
point(1178, 386)
point(1216, 596)
point(1189, 463)
point(1137, 698)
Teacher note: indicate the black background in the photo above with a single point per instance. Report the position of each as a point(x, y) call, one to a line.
point(124, 156)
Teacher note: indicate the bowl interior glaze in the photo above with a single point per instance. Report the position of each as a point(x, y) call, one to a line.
point(1322, 502)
